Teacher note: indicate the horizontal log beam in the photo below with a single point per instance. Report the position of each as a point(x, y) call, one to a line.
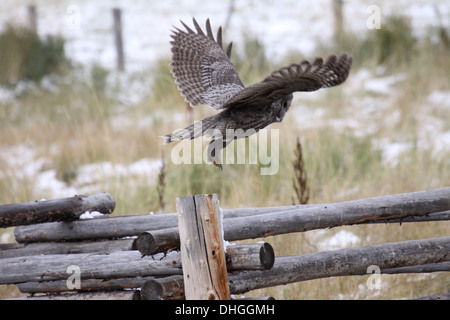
point(110, 228)
point(65, 209)
point(439, 296)
point(239, 224)
point(172, 288)
point(339, 214)
point(423, 268)
point(428, 255)
point(9, 250)
point(342, 262)
point(112, 295)
point(85, 285)
point(122, 264)
point(119, 264)
point(434, 216)
point(122, 226)
point(138, 282)
point(164, 240)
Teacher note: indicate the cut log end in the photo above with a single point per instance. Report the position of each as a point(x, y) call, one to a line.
point(169, 288)
point(157, 241)
point(145, 243)
point(267, 256)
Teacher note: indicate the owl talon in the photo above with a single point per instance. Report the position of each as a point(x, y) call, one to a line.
point(218, 165)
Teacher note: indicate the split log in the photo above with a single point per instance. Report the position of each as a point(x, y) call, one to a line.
point(265, 298)
point(164, 240)
point(338, 214)
point(441, 296)
point(329, 263)
point(120, 264)
point(434, 216)
point(202, 248)
point(85, 285)
point(342, 262)
point(424, 268)
point(302, 267)
point(408, 207)
point(123, 226)
point(66, 209)
point(110, 228)
point(112, 295)
point(8, 250)
point(168, 288)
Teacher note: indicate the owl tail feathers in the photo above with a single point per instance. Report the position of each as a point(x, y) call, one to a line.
point(167, 138)
point(195, 130)
point(187, 133)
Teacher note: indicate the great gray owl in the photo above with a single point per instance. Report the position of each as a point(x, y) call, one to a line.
point(205, 75)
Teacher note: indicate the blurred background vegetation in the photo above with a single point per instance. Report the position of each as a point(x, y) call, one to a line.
point(24, 56)
point(68, 114)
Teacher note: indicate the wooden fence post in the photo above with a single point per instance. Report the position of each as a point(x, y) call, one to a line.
point(117, 14)
point(338, 8)
point(32, 17)
point(202, 249)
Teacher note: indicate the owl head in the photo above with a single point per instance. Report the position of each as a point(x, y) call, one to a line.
point(280, 107)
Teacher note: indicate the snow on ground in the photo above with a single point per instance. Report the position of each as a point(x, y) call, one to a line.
point(383, 85)
point(90, 177)
point(439, 99)
point(282, 25)
point(23, 164)
point(91, 215)
point(87, 26)
point(20, 162)
point(323, 240)
point(371, 110)
point(342, 239)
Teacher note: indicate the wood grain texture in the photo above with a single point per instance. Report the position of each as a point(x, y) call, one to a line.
point(202, 251)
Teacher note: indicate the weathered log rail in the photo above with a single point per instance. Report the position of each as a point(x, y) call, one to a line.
point(134, 252)
point(243, 224)
point(54, 210)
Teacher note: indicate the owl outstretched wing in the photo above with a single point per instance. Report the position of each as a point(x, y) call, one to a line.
point(296, 77)
point(202, 68)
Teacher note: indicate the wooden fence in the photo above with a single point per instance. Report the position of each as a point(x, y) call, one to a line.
point(32, 24)
point(183, 255)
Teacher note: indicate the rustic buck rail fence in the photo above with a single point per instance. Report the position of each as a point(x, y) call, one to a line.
point(183, 255)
